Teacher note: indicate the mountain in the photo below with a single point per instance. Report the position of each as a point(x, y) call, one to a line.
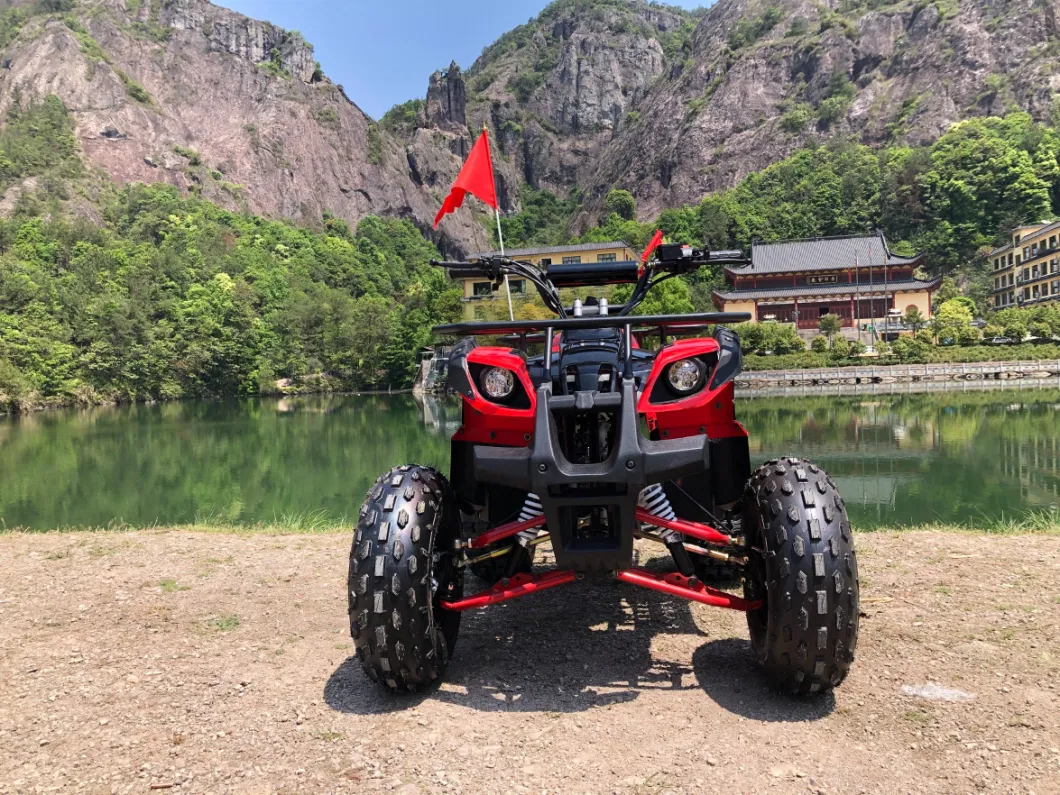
point(594, 95)
point(589, 96)
point(764, 78)
point(188, 93)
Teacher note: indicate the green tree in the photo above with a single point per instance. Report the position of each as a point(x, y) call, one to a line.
point(952, 320)
point(914, 319)
point(1041, 330)
point(830, 325)
point(622, 203)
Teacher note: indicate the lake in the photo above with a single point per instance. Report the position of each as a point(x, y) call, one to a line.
point(898, 459)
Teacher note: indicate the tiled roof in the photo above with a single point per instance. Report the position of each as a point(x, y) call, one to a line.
point(877, 288)
point(822, 254)
point(574, 248)
point(1036, 229)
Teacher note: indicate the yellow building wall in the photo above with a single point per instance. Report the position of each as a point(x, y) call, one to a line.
point(740, 306)
point(920, 299)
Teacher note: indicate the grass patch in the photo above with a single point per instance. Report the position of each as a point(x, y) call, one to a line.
point(172, 586)
point(193, 157)
point(376, 146)
point(224, 623)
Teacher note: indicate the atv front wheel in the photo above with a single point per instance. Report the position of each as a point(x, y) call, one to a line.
point(401, 567)
point(803, 567)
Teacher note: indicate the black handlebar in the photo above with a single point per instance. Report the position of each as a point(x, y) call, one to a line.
point(670, 260)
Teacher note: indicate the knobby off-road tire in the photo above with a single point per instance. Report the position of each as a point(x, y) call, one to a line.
point(802, 564)
point(401, 567)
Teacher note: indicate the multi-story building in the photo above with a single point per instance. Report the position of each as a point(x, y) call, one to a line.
point(856, 278)
point(1027, 270)
point(576, 253)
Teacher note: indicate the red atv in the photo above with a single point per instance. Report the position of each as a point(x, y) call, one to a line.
point(586, 446)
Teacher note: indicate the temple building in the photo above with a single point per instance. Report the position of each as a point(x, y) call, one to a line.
point(856, 278)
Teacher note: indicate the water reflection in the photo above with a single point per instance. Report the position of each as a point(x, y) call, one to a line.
point(919, 458)
point(899, 459)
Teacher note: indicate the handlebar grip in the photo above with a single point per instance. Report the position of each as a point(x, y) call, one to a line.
point(467, 271)
point(447, 264)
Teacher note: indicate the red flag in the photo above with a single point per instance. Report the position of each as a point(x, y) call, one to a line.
point(476, 178)
point(656, 241)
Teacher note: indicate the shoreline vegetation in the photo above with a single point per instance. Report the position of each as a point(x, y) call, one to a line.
point(1045, 521)
point(63, 402)
point(123, 294)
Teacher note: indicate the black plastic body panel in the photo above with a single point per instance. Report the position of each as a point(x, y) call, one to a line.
point(730, 468)
point(613, 485)
point(730, 357)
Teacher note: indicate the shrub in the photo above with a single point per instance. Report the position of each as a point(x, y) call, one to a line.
point(621, 202)
point(193, 157)
point(403, 117)
point(840, 349)
point(796, 119)
point(819, 344)
point(1016, 330)
point(967, 335)
point(329, 117)
point(1040, 329)
point(748, 31)
point(832, 110)
point(525, 84)
point(909, 350)
point(376, 146)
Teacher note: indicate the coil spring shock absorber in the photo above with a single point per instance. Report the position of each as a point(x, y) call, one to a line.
point(654, 500)
point(531, 509)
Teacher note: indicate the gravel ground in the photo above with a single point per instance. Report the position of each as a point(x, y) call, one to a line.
point(183, 662)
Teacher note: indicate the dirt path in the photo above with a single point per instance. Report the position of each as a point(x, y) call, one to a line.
point(222, 663)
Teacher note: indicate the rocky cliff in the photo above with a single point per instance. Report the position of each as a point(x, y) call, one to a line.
point(765, 78)
point(590, 95)
point(186, 92)
point(599, 94)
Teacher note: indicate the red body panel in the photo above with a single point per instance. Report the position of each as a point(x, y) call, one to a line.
point(709, 412)
point(486, 422)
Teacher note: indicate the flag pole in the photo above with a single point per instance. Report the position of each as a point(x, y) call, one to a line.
point(500, 234)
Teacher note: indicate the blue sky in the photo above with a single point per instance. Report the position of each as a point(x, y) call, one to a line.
point(382, 51)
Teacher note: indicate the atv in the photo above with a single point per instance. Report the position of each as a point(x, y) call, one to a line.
point(592, 441)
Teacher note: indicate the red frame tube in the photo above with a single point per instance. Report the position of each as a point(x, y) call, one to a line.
point(503, 531)
point(701, 531)
point(678, 585)
point(519, 585)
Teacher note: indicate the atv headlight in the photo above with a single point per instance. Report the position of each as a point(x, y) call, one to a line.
point(685, 376)
point(497, 382)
